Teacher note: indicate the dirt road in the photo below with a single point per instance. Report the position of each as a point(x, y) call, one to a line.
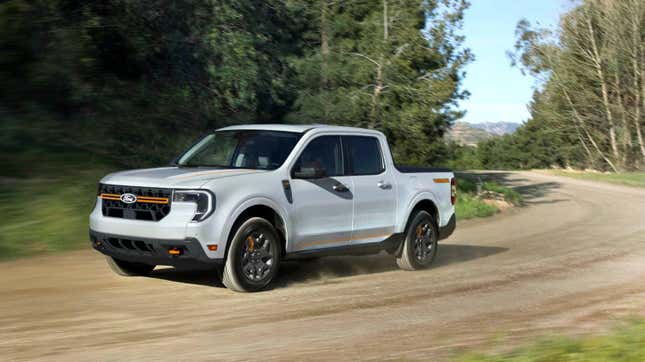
point(571, 261)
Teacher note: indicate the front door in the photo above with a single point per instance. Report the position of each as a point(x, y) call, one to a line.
point(322, 196)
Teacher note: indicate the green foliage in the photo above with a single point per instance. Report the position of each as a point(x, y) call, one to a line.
point(470, 206)
point(539, 143)
point(393, 65)
point(589, 110)
point(625, 344)
point(46, 215)
point(510, 195)
point(47, 193)
point(138, 74)
point(137, 80)
point(459, 157)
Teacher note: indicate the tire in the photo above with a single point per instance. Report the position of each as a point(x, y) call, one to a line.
point(420, 244)
point(253, 256)
point(127, 268)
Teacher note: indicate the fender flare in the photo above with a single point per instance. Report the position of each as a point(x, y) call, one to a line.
point(424, 195)
point(256, 201)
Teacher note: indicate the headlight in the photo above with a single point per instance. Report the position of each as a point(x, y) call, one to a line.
point(204, 200)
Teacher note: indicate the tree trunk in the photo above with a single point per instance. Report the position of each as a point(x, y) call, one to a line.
point(378, 88)
point(577, 117)
point(640, 98)
point(639, 75)
point(584, 145)
point(604, 90)
point(324, 56)
point(626, 133)
point(375, 95)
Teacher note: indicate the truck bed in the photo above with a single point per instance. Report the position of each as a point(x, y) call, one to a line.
point(417, 169)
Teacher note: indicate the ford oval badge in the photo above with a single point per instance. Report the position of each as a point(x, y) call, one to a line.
point(128, 198)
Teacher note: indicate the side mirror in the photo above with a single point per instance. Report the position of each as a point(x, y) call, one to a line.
point(309, 173)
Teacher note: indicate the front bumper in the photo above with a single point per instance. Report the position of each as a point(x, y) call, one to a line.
point(153, 251)
point(174, 227)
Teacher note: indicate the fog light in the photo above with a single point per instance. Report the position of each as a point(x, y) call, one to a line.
point(174, 251)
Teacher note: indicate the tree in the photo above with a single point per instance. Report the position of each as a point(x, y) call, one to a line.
point(591, 73)
point(135, 75)
point(395, 67)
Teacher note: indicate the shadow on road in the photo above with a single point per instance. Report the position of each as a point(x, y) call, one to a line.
point(455, 253)
point(532, 193)
point(199, 277)
point(329, 269)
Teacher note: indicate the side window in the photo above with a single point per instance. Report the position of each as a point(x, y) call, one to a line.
point(363, 155)
point(321, 158)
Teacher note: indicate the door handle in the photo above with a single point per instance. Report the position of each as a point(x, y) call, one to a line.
point(340, 188)
point(384, 185)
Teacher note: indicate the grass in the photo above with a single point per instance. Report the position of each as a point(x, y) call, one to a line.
point(624, 344)
point(46, 193)
point(48, 212)
point(470, 206)
point(636, 179)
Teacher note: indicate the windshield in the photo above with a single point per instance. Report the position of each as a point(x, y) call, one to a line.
point(253, 149)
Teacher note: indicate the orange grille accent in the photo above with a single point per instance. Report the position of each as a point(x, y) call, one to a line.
point(110, 197)
point(152, 200)
point(144, 199)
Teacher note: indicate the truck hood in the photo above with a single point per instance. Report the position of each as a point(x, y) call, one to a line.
point(173, 177)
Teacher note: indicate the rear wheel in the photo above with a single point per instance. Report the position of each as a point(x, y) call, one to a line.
point(253, 256)
point(127, 268)
point(420, 245)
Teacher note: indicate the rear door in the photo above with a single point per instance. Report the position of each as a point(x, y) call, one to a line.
point(374, 194)
point(322, 205)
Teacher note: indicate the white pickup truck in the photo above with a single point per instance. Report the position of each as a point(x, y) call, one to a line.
point(244, 198)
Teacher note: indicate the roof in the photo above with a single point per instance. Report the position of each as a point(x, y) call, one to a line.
point(299, 128)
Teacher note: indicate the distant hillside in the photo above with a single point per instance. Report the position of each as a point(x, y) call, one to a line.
point(497, 128)
point(469, 134)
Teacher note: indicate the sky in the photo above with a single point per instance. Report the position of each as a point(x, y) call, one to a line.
point(500, 92)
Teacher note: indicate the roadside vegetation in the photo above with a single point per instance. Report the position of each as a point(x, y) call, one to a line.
point(490, 199)
point(624, 344)
point(46, 193)
point(144, 75)
point(587, 112)
point(636, 179)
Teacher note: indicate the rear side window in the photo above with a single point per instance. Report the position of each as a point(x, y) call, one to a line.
point(363, 155)
point(323, 153)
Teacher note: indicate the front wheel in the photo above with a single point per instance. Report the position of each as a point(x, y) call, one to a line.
point(253, 256)
point(127, 268)
point(420, 245)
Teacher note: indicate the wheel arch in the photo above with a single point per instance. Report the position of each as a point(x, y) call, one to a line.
point(423, 202)
point(260, 207)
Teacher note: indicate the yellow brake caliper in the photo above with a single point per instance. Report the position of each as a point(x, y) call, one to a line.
point(419, 231)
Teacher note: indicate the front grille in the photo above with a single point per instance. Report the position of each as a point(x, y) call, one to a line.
point(153, 204)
